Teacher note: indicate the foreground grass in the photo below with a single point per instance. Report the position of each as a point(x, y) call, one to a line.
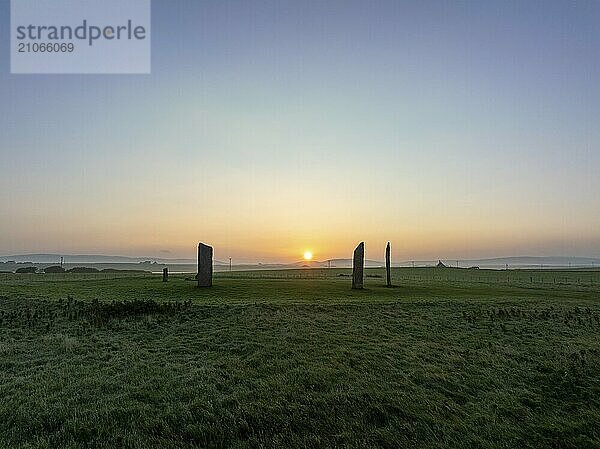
point(296, 359)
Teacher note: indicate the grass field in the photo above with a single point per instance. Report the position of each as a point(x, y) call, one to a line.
point(286, 359)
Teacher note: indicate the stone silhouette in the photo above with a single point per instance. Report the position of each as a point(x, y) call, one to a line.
point(388, 265)
point(165, 274)
point(358, 265)
point(205, 265)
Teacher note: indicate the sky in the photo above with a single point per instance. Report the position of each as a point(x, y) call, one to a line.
point(460, 129)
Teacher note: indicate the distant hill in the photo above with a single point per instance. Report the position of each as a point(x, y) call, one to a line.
point(189, 265)
point(514, 262)
point(534, 261)
point(93, 258)
point(333, 263)
point(499, 262)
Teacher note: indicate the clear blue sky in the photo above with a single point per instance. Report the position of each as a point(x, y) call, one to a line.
point(454, 129)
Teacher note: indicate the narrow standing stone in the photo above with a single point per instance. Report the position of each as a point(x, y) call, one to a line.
point(205, 265)
point(358, 266)
point(388, 265)
point(165, 274)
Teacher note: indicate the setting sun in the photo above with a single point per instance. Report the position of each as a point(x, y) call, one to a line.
point(308, 255)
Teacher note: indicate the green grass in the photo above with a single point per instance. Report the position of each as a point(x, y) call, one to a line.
point(449, 358)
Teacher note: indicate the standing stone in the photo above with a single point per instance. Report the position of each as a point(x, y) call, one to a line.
point(388, 265)
point(358, 266)
point(165, 274)
point(205, 265)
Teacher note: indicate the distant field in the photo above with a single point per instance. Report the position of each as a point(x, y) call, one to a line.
point(294, 358)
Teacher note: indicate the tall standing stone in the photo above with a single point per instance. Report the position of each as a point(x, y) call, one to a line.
point(205, 265)
point(358, 265)
point(388, 265)
point(165, 274)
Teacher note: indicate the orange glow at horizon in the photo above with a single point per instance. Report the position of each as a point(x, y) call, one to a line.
point(264, 223)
